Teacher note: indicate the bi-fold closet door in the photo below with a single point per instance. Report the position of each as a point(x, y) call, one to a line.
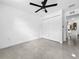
point(52, 26)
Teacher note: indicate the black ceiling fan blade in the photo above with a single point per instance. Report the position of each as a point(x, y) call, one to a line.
point(46, 10)
point(35, 4)
point(50, 5)
point(38, 10)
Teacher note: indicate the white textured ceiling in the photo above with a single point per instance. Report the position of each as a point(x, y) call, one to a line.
point(67, 3)
point(24, 5)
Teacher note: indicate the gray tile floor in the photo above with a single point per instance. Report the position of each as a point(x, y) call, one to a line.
point(40, 49)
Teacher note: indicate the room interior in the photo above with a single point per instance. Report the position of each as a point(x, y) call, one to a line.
point(32, 30)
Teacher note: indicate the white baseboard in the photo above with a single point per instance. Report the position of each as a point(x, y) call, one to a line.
point(19, 42)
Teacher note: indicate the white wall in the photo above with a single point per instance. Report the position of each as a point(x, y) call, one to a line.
point(52, 26)
point(17, 26)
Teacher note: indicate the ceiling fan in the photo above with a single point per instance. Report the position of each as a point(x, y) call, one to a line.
point(44, 6)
